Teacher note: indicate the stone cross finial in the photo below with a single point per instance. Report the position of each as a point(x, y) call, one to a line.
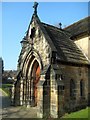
point(35, 7)
point(60, 25)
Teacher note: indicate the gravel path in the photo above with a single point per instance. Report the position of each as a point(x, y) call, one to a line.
point(7, 111)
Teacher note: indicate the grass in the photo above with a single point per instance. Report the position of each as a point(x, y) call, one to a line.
point(78, 115)
point(6, 85)
point(3, 92)
point(6, 88)
point(84, 113)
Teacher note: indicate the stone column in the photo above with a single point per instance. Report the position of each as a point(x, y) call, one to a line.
point(24, 91)
point(54, 102)
point(40, 97)
point(12, 95)
point(40, 102)
point(27, 94)
point(21, 92)
point(32, 92)
point(54, 97)
point(60, 100)
point(57, 95)
point(29, 91)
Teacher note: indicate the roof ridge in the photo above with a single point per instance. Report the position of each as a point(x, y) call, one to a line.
point(59, 29)
point(86, 18)
point(51, 26)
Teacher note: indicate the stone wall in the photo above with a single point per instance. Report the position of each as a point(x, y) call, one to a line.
point(41, 44)
point(76, 74)
point(61, 102)
point(54, 91)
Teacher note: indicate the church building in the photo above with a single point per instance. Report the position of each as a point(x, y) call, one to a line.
point(54, 68)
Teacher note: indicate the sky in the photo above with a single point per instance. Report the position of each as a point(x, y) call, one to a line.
point(16, 17)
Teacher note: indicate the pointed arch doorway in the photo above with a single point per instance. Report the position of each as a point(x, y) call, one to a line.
point(35, 75)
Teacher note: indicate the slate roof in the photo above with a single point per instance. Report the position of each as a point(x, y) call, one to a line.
point(80, 27)
point(66, 48)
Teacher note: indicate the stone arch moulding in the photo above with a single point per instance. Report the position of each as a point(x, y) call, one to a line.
point(29, 58)
point(33, 74)
point(28, 81)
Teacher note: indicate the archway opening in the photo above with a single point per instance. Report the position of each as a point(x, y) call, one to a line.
point(35, 79)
